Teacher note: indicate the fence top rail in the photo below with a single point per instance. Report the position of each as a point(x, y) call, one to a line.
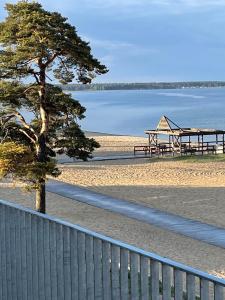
point(139, 251)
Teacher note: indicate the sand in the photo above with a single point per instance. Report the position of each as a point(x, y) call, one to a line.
point(194, 190)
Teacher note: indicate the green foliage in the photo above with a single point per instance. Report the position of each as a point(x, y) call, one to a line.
point(19, 161)
point(74, 143)
point(64, 134)
point(202, 158)
point(193, 158)
point(34, 45)
point(13, 158)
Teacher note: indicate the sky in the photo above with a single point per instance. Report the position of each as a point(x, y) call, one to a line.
point(150, 40)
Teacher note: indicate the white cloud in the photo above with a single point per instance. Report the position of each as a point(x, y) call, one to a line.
point(204, 3)
point(112, 45)
point(107, 44)
point(147, 3)
point(102, 4)
point(125, 7)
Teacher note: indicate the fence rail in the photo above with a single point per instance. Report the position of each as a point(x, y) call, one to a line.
point(42, 257)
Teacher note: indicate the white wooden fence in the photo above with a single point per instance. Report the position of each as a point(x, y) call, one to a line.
point(42, 257)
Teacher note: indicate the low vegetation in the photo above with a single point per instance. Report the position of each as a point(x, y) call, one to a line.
point(193, 158)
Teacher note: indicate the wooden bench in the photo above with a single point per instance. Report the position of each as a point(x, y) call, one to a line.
point(142, 148)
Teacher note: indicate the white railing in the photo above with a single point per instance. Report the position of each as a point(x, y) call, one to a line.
point(42, 257)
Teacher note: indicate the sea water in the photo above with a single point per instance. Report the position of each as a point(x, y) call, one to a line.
point(132, 111)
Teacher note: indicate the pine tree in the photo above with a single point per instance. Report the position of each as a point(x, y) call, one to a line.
point(38, 46)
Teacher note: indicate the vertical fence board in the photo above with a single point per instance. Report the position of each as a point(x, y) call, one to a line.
point(190, 287)
point(218, 292)
point(29, 256)
point(53, 260)
point(1, 252)
point(98, 268)
point(66, 263)
point(204, 289)
point(14, 258)
point(115, 272)
point(34, 241)
point(166, 282)
point(144, 278)
point(59, 261)
point(106, 269)
point(40, 247)
point(178, 284)
point(134, 276)
point(47, 259)
point(124, 274)
point(154, 268)
point(81, 265)
point(24, 256)
point(90, 267)
point(8, 255)
point(12, 237)
point(74, 263)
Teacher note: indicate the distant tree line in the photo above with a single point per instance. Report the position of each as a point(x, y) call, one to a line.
point(142, 86)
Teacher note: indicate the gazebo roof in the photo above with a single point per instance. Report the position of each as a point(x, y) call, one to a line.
point(168, 127)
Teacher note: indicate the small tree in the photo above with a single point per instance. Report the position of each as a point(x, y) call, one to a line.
point(36, 45)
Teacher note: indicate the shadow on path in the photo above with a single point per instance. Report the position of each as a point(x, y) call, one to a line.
point(195, 229)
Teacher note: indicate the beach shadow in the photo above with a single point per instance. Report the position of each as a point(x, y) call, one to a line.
point(205, 204)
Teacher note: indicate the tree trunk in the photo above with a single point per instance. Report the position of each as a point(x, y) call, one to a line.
point(40, 197)
point(40, 192)
point(41, 146)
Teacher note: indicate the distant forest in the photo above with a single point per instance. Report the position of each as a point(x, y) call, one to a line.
point(142, 86)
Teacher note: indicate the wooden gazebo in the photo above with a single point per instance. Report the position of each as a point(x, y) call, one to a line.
point(184, 140)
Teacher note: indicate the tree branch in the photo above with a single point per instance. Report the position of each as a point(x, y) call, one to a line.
point(48, 77)
point(25, 125)
point(22, 120)
point(27, 135)
point(51, 59)
point(31, 71)
point(5, 136)
point(62, 61)
point(30, 88)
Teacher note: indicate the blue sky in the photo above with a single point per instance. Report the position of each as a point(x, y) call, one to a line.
point(150, 40)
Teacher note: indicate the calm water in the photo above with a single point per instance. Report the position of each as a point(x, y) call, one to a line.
point(131, 112)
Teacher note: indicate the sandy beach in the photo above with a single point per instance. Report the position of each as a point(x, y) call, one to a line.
point(194, 190)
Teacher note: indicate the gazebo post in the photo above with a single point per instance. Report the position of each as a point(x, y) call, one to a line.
point(223, 142)
point(173, 144)
point(180, 145)
point(170, 143)
point(202, 143)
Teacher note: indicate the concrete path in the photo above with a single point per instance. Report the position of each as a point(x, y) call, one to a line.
point(104, 158)
point(188, 227)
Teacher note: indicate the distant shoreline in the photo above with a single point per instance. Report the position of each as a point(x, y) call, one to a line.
point(143, 86)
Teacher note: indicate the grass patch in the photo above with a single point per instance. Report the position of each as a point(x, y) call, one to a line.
point(192, 158)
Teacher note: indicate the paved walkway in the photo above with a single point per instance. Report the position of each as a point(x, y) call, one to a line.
point(104, 158)
point(188, 227)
